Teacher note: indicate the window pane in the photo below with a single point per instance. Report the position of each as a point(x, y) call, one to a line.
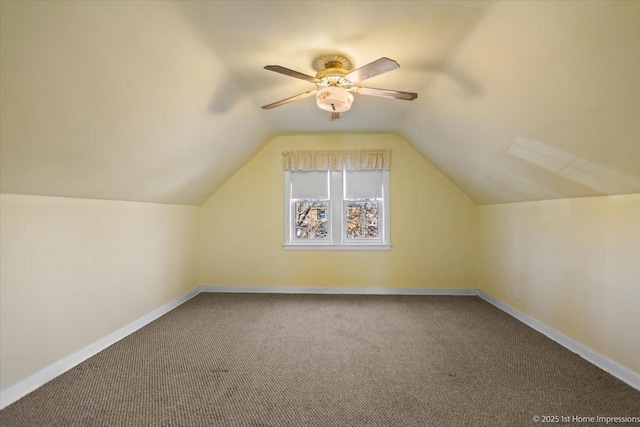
point(362, 219)
point(311, 220)
point(310, 185)
point(363, 184)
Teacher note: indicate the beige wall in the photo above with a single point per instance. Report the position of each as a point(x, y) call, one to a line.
point(433, 229)
point(74, 270)
point(577, 264)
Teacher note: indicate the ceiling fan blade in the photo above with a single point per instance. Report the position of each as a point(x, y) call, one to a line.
point(375, 68)
point(386, 93)
point(290, 99)
point(292, 73)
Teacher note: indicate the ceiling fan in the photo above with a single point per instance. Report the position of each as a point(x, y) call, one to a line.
point(336, 84)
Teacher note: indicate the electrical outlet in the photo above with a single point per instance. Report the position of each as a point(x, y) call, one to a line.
point(516, 292)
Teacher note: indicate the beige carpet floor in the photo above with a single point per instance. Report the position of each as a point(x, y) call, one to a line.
point(328, 360)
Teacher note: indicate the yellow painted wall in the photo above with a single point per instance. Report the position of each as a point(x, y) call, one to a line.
point(577, 264)
point(74, 270)
point(433, 229)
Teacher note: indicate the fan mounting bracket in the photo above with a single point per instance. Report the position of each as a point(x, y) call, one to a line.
point(331, 61)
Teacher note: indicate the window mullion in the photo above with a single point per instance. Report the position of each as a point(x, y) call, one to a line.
point(336, 207)
point(287, 208)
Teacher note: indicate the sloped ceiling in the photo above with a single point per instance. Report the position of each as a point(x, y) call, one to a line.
point(160, 101)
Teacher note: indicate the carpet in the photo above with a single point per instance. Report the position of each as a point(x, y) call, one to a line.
point(328, 360)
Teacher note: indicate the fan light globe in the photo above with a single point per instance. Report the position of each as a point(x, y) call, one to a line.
point(334, 99)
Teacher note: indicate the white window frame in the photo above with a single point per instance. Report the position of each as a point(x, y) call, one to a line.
point(337, 239)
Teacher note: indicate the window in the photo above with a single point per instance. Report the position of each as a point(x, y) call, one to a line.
point(342, 209)
point(311, 220)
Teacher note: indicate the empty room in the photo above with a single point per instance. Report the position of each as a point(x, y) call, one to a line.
point(319, 213)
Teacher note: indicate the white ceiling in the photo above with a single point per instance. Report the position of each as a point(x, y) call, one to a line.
point(159, 101)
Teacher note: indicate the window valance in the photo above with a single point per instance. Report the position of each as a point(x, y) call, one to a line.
point(337, 160)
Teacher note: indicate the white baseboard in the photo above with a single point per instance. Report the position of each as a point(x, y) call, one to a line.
point(29, 384)
point(603, 362)
point(338, 290)
point(26, 386)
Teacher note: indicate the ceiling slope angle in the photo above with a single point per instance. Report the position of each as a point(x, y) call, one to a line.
point(113, 100)
point(160, 101)
point(557, 116)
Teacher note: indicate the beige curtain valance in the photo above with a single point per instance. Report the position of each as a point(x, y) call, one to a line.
point(337, 160)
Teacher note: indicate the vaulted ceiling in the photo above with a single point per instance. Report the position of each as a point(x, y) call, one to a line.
point(160, 101)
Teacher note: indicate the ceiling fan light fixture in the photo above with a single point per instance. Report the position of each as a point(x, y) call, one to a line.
point(334, 99)
point(336, 84)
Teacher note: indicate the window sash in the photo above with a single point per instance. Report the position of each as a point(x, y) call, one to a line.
point(294, 223)
point(379, 221)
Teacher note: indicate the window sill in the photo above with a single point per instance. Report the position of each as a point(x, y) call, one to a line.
point(352, 247)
